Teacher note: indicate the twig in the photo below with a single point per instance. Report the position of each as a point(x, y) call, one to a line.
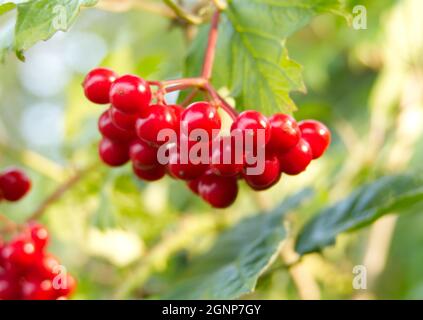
point(59, 192)
point(211, 47)
point(182, 13)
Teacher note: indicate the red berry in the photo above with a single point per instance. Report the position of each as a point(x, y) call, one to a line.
point(270, 175)
point(219, 192)
point(39, 235)
point(177, 110)
point(97, 85)
point(285, 133)
point(296, 159)
point(200, 116)
point(317, 136)
point(46, 267)
point(36, 289)
point(122, 120)
point(226, 160)
point(250, 123)
point(152, 174)
point(130, 94)
point(14, 184)
point(9, 289)
point(143, 155)
point(159, 118)
point(110, 131)
point(113, 153)
point(185, 169)
point(20, 252)
point(193, 185)
point(66, 286)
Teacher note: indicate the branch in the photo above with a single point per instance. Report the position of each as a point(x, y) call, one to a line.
point(211, 47)
point(59, 192)
point(182, 13)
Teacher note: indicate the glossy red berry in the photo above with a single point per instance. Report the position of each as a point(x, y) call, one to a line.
point(97, 85)
point(151, 174)
point(269, 176)
point(110, 131)
point(113, 153)
point(130, 94)
point(297, 159)
point(250, 123)
point(20, 252)
point(39, 235)
point(14, 184)
point(227, 160)
point(317, 135)
point(159, 118)
point(285, 133)
point(184, 168)
point(200, 116)
point(46, 266)
point(37, 289)
point(219, 192)
point(122, 120)
point(143, 155)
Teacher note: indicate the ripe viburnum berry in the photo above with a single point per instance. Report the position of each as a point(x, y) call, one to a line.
point(200, 116)
point(269, 176)
point(130, 94)
point(20, 252)
point(296, 159)
point(110, 131)
point(159, 118)
point(113, 153)
point(226, 160)
point(249, 123)
point(14, 184)
point(143, 155)
point(317, 136)
point(219, 192)
point(285, 133)
point(97, 85)
point(151, 174)
point(39, 235)
point(122, 120)
point(185, 169)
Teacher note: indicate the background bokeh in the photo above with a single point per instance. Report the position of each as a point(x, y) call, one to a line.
point(366, 85)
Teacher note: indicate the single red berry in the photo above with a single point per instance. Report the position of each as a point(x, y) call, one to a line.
point(219, 192)
point(285, 133)
point(143, 155)
point(252, 126)
point(113, 153)
point(184, 168)
point(39, 235)
point(122, 120)
point(270, 174)
point(110, 131)
point(20, 252)
point(297, 159)
point(160, 119)
point(97, 85)
point(151, 174)
point(9, 288)
point(14, 184)
point(200, 121)
point(37, 289)
point(130, 94)
point(317, 135)
point(227, 159)
point(46, 267)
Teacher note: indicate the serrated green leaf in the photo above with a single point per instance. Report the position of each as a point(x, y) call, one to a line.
point(391, 194)
point(40, 19)
point(251, 57)
point(233, 265)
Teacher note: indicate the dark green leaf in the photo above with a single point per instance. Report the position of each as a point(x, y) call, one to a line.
point(391, 194)
point(251, 56)
point(237, 259)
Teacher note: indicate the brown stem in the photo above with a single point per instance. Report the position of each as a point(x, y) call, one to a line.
point(59, 192)
point(211, 47)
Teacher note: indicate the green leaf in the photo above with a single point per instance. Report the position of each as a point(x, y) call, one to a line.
point(251, 57)
point(239, 256)
point(391, 194)
point(6, 7)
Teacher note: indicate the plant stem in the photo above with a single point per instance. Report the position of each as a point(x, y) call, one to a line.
point(221, 101)
point(182, 13)
point(211, 47)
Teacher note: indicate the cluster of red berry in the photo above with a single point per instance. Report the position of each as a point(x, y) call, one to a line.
point(14, 184)
point(131, 127)
point(28, 272)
